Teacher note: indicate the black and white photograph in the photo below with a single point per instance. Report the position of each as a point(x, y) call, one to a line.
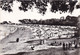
point(39, 27)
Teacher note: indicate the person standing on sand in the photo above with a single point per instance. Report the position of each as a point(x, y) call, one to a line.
point(64, 46)
point(17, 40)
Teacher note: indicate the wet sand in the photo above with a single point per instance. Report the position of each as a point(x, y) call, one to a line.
point(51, 51)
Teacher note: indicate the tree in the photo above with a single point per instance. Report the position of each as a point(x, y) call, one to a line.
point(4, 22)
point(40, 5)
point(5, 5)
point(77, 6)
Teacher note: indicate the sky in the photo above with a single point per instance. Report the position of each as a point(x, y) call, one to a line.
point(32, 14)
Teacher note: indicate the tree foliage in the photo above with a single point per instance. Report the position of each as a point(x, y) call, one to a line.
point(41, 5)
point(6, 5)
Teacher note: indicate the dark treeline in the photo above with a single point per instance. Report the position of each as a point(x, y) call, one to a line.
point(69, 21)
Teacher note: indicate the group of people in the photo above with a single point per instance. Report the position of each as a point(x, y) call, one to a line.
point(66, 45)
point(69, 45)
